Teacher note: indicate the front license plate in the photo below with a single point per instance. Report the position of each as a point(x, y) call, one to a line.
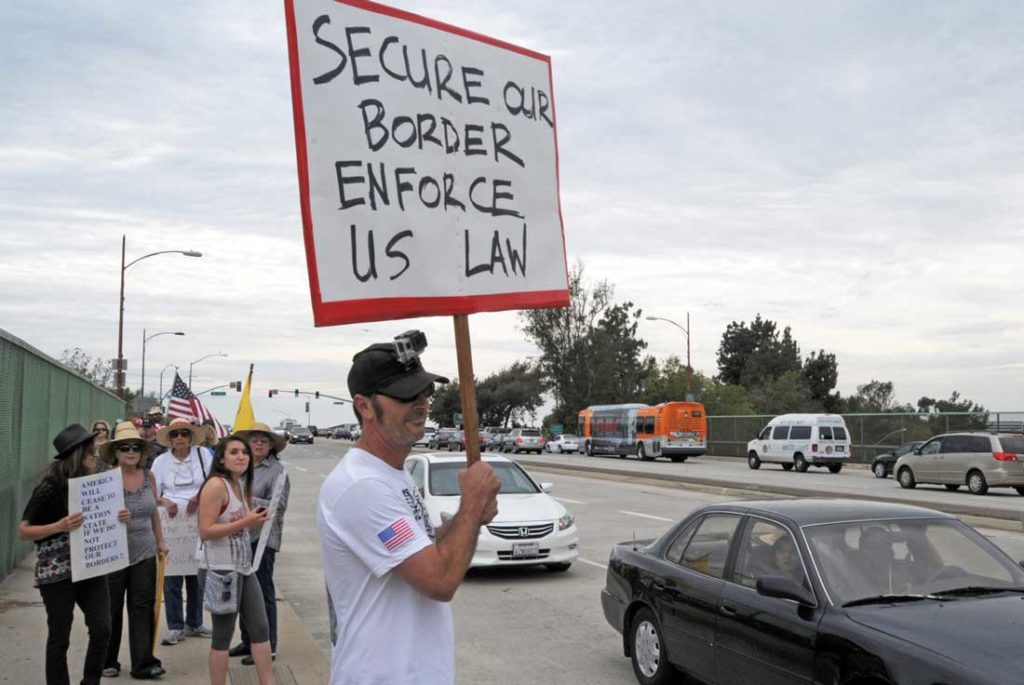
point(525, 549)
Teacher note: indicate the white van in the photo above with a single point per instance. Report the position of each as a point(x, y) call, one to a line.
point(801, 440)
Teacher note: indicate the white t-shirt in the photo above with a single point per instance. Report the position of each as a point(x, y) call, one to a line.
point(180, 479)
point(385, 632)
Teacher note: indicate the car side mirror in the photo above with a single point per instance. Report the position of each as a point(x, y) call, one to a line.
point(917, 450)
point(547, 487)
point(784, 588)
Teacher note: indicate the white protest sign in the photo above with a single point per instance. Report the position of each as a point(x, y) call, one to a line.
point(181, 533)
point(275, 501)
point(428, 166)
point(100, 545)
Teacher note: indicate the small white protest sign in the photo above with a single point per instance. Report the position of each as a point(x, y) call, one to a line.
point(100, 545)
point(275, 502)
point(428, 166)
point(181, 533)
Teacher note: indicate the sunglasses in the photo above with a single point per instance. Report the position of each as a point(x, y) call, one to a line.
point(130, 448)
point(427, 392)
point(101, 429)
point(180, 434)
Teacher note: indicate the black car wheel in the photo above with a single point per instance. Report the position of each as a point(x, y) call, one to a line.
point(787, 467)
point(752, 460)
point(879, 469)
point(588, 449)
point(835, 468)
point(906, 478)
point(648, 654)
point(800, 463)
point(976, 483)
point(641, 453)
point(952, 487)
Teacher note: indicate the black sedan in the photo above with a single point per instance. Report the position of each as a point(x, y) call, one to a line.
point(882, 465)
point(818, 591)
point(300, 434)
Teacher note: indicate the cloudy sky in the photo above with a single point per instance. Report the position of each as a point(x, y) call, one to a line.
point(852, 170)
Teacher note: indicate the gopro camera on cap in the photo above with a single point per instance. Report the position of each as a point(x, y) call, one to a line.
point(408, 345)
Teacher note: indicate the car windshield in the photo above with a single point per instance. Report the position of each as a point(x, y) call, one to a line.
point(444, 479)
point(300, 431)
point(865, 559)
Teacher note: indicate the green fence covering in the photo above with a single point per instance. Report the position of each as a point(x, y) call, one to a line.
point(38, 397)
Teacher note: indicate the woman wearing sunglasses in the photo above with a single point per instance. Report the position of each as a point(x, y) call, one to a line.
point(127, 450)
point(48, 523)
point(179, 473)
point(102, 430)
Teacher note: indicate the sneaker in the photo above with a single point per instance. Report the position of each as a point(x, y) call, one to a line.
point(111, 672)
point(201, 631)
point(241, 649)
point(173, 637)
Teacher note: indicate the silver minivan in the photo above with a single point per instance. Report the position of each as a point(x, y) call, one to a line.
point(979, 460)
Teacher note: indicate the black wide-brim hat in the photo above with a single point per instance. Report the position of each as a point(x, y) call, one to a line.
point(71, 437)
point(377, 370)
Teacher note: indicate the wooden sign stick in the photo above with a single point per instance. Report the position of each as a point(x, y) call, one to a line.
point(467, 388)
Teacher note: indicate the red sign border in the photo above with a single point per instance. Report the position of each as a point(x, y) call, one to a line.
point(336, 312)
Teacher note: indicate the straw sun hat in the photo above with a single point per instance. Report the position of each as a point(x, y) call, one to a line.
point(125, 433)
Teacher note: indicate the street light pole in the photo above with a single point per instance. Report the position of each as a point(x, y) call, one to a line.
point(162, 382)
point(119, 372)
point(191, 364)
point(686, 330)
point(142, 392)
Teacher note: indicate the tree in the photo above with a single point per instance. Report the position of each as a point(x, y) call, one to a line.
point(971, 415)
point(821, 373)
point(589, 350)
point(445, 403)
point(724, 399)
point(96, 370)
point(510, 395)
point(874, 397)
point(751, 355)
point(782, 395)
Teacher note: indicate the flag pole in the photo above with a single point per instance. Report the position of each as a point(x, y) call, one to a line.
point(467, 388)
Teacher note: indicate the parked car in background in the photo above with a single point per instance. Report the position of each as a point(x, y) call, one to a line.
point(564, 442)
point(522, 440)
point(978, 459)
point(314, 430)
point(342, 434)
point(531, 526)
point(882, 465)
point(439, 441)
point(424, 441)
point(458, 442)
point(799, 441)
point(802, 591)
point(300, 434)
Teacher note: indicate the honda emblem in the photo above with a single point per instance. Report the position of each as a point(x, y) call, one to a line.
point(524, 532)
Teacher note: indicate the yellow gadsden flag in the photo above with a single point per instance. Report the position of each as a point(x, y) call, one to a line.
point(244, 418)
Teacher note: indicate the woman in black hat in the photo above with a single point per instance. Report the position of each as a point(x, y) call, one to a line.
point(47, 522)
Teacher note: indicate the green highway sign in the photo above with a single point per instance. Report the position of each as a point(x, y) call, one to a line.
point(218, 392)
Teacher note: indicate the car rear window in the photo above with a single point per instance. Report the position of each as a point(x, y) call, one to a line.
point(839, 432)
point(1013, 445)
point(800, 433)
point(531, 433)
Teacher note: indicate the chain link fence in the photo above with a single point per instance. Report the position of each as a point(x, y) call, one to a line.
point(871, 434)
point(38, 398)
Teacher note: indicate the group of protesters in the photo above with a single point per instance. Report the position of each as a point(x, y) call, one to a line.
point(224, 486)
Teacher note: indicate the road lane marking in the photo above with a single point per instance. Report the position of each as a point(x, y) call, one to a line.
point(646, 516)
point(592, 563)
point(301, 469)
point(570, 501)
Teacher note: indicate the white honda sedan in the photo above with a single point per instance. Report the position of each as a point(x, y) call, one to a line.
point(531, 528)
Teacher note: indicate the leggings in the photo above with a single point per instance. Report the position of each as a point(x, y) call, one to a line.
point(251, 608)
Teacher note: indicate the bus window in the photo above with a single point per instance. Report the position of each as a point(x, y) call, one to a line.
point(649, 424)
point(639, 424)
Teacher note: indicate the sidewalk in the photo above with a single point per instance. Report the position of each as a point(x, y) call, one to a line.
point(23, 639)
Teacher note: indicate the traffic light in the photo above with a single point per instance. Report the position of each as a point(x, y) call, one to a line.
point(307, 407)
point(238, 386)
point(317, 394)
point(270, 393)
point(296, 392)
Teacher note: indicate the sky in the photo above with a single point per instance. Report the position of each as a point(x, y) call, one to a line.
point(850, 170)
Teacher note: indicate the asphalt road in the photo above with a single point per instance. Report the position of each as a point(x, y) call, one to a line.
point(530, 625)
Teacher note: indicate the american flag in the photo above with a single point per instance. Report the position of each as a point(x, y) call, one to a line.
point(395, 535)
point(186, 405)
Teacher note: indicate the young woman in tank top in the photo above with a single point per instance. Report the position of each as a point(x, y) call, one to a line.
point(224, 519)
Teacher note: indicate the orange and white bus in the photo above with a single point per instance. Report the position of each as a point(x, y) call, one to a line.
point(676, 430)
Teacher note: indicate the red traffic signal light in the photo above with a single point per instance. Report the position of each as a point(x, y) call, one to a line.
point(296, 392)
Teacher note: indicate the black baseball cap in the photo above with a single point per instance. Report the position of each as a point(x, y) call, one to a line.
point(377, 370)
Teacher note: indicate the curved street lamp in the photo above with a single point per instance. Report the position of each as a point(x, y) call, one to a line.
point(119, 371)
point(145, 339)
point(686, 330)
point(161, 393)
point(191, 364)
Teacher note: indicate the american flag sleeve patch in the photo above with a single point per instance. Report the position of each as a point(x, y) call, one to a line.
point(396, 535)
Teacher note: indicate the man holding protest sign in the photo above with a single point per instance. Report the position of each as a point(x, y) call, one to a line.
point(388, 571)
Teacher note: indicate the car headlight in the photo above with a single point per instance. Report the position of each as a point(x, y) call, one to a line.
point(566, 521)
